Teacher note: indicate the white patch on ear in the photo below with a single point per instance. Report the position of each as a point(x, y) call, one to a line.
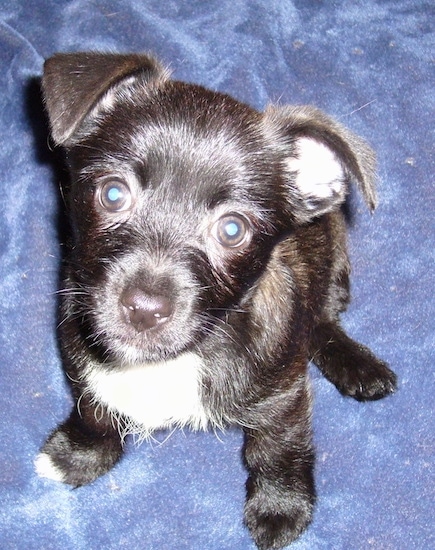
point(319, 172)
point(45, 468)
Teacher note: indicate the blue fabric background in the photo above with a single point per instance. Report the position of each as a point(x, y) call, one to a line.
point(368, 63)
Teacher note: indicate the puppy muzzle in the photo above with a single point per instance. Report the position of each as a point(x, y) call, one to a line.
point(147, 308)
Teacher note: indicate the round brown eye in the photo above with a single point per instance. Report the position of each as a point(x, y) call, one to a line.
point(115, 196)
point(232, 231)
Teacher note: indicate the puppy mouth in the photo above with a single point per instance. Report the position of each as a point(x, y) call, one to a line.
point(136, 338)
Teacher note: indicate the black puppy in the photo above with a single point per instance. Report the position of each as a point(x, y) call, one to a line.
point(207, 267)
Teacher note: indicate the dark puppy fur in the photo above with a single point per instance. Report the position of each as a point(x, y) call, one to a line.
point(207, 267)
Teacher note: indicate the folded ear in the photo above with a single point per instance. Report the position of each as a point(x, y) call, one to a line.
point(73, 83)
point(319, 158)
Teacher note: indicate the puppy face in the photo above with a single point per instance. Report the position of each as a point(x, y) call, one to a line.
point(175, 209)
point(178, 198)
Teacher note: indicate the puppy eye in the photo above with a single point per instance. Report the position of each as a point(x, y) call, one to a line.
point(232, 231)
point(115, 196)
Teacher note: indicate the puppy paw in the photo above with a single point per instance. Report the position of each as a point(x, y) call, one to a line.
point(274, 531)
point(275, 524)
point(353, 369)
point(45, 467)
point(76, 459)
point(367, 379)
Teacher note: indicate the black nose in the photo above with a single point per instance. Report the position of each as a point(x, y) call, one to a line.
point(145, 311)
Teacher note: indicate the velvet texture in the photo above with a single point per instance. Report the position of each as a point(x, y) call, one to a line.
point(369, 65)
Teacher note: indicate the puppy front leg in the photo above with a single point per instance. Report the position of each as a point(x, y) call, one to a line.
point(83, 448)
point(280, 489)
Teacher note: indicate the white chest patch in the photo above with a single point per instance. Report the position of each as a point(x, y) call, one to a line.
point(147, 397)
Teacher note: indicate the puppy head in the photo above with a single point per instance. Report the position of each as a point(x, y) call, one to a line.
point(179, 195)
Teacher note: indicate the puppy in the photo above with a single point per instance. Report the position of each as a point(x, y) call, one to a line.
point(207, 266)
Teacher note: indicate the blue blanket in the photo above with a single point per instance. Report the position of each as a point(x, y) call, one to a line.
point(367, 63)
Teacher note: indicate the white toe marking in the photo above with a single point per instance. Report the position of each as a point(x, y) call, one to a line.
point(45, 468)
